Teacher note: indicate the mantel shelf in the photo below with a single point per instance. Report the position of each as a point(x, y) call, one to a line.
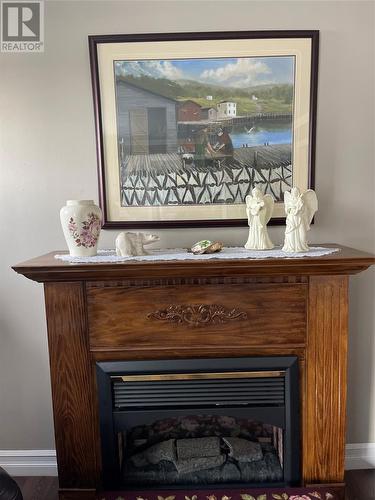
point(46, 268)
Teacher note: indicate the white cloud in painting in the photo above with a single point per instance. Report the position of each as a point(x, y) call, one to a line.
point(153, 69)
point(241, 73)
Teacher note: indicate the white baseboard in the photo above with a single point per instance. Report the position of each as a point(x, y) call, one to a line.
point(29, 462)
point(360, 456)
point(43, 462)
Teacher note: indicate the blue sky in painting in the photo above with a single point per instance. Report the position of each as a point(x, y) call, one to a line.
point(235, 72)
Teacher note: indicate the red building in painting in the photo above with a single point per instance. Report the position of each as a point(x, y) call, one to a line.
point(189, 111)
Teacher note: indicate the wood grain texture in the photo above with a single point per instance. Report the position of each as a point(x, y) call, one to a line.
point(325, 392)
point(197, 280)
point(104, 354)
point(73, 394)
point(123, 318)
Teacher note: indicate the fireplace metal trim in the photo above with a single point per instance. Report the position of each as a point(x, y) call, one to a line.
point(199, 376)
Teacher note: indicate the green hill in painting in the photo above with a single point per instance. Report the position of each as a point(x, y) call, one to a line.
point(270, 98)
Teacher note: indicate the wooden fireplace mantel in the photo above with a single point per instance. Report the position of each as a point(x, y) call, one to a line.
point(122, 311)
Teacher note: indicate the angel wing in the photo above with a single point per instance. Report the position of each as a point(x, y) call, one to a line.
point(269, 203)
point(310, 202)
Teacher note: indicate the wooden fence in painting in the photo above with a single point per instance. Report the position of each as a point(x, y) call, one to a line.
point(251, 118)
point(164, 179)
point(256, 118)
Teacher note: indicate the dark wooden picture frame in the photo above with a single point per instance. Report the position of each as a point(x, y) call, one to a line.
point(96, 43)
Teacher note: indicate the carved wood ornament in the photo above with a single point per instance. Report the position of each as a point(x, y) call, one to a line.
point(198, 314)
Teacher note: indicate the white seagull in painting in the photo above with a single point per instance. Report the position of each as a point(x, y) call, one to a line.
point(248, 131)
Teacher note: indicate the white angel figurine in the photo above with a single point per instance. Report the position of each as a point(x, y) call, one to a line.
point(300, 209)
point(259, 210)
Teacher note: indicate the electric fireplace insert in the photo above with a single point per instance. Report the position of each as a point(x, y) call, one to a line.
point(206, 422)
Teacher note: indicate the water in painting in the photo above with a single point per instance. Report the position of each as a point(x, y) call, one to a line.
point(203, 131)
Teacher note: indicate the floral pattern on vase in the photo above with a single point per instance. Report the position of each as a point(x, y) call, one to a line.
point(89, 234)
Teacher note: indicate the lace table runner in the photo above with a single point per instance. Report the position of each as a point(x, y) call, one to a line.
point(183, 254)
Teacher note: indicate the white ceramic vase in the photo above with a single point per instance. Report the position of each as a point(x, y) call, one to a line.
point(81, 221)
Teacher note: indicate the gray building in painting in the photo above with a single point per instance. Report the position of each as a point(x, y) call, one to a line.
point(208, 113)
point(147, 121)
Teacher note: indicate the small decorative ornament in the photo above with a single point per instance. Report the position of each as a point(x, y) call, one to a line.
point(300, 209)
point(81, 221)
point(259, 208)
point(206, 246)
point(131, 244)
point(198, 314)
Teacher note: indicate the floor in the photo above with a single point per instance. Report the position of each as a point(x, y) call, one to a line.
point(360, 486)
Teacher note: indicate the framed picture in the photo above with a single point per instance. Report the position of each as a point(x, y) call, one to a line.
point(188, 124)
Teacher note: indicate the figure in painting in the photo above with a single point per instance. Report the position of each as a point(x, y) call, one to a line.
point(300, 209)
point(203, 145)
point(259, 209)
point(225, 145)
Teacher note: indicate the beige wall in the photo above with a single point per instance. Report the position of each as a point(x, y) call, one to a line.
point(47, 155)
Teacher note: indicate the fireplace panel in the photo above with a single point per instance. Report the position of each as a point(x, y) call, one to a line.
point(251, 314)
point(147, 407)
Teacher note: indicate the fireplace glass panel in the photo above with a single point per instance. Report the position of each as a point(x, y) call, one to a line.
point(199, 422)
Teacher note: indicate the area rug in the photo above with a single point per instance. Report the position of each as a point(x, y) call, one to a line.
point(228, 494)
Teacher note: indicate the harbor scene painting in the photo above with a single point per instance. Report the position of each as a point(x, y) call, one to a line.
point(204, 131)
